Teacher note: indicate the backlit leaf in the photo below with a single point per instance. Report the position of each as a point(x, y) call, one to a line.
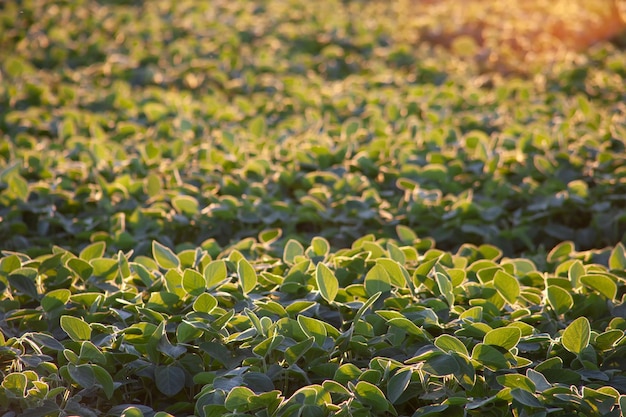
point(75, 328)
point(507, 285)
point(293, 248)
point(371, 395)
point(326, 282)
point(377, 280)
point(193, 282)
point(164, 256)
point(448, 343)
point(505, 337)
point(247, 276)
point(601, 283)
point(576, 336)
point(313, 328)
point(238, 399)
point(560, 300)
point(516, 381)
point(490, 357)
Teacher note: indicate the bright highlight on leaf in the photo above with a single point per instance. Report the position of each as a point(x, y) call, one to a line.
point(377, 280)
point(164, 256)
point(247, 276)
point(75, 328)
point(576, 336)
point(326, 282)
point(560, 300)
point(507, 285)
point(505, 337)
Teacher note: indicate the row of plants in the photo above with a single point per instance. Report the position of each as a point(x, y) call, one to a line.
point(386, 327)
point(298, 117)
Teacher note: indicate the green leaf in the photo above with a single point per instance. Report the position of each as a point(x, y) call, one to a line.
point(617, 260)
point(326, 282)
point(93, 251)
point(398, 275)
point(164, 256)
point(215, 273)
point(408, 326)
point(81, 267)
point(44, 340)
point(489, 357)
point(440, 365)
point(83, 375)
point(526, 397)
point(406, 234)
point(601, 283)
point(205, 303)
point(364, 308)
point(607, 340)
point(575, 271)
point(104, 379)
point(75, 328)
point(576, 336)
point(474, 314)
point(335, 387)
point(320, 246)
point(269, 236)
point(424, 268)
point(293, 249)
point(295, 352)
point(132, 412)
point(185, 204)
point(466, 375)
point(505, 337)
point(346, 373)
point(398, 384)
point(377, 280)
point(19, 186)
point(430, 411)
point(371, 395)
point(445, 287)
point(507, 285)
point(23, 281)
point(186, 333)
point(247, 276)
point(516, 381)
point(561, 251)
point(16, 383)
point(90, 353)
point(258, 127)
point(560, 299)
point(170, 379)
point(193, 282)
point(538, 379)
point(55, 299)
point(448, 343)
point(313, 328)
point(238, 399)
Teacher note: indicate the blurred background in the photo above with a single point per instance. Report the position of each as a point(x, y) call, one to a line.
point(515, 33)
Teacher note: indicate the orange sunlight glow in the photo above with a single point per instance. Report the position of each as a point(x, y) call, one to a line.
point(519, 31)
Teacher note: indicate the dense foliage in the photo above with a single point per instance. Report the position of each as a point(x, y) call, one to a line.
point(281, 208)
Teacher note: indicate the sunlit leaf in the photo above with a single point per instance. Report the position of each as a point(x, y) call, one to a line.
point(75, 328)
point(326, 282)
point(505, 337)
point(247, 276)
point(164, 256)
point(576, 336)
point(507, 285)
